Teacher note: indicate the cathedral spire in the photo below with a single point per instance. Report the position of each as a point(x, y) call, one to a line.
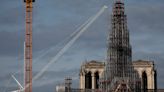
point(119, 68)
point(119, 49)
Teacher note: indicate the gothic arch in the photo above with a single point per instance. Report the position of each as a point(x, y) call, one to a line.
point(144, 81)
point(88, 80)
point(96, 79)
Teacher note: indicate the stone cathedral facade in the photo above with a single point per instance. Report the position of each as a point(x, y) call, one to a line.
point(92, 71)
point(118, 71)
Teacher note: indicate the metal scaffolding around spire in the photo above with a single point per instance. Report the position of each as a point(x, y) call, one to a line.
point(119, 69)
point(119, 49)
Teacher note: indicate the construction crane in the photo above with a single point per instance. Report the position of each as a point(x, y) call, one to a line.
point(28, 46)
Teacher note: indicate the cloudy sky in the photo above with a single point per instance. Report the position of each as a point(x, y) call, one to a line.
point(53, 23)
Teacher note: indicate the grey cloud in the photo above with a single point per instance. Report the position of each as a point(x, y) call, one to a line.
point(10, 43)
point(145, 22)
point(54, 20)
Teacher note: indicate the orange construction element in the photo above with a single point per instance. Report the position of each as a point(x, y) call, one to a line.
point(28, 47)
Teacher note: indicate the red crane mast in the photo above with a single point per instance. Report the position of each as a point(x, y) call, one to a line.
point(28, 46)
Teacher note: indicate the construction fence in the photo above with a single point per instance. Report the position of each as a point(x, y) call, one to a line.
point(96, 90)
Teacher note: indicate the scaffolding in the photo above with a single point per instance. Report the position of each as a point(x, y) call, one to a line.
point(119, 75)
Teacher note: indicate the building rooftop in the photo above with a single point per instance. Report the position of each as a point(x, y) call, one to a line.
point(143, 62)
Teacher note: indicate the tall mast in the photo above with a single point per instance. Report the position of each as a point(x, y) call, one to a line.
point(28, 46)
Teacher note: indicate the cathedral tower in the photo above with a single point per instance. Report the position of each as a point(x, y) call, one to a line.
point(119, 55)
point(120, 71)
